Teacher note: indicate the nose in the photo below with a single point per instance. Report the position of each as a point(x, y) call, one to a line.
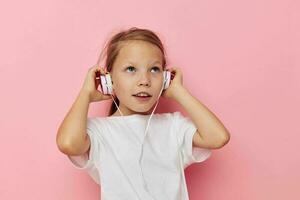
point(144, 79)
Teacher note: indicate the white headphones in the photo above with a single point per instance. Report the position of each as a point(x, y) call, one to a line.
point(106, 82)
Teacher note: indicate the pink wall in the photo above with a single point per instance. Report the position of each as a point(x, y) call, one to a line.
point(240, 58)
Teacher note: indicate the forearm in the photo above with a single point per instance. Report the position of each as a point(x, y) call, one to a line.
point(72, 131)
point(209, 126)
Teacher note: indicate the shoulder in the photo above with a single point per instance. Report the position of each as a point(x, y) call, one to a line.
point(93, 121)
point(177, 116)
point(168, 114)
point(168, 118)
point(163, 117)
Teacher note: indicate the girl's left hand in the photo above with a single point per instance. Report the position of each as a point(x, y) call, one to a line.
point(175, 85)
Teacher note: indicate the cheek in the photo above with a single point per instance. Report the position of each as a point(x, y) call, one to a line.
point(159, 85)
point(122, 89)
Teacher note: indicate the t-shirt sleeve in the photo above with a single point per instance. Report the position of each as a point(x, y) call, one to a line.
point(185, 130)
point(85, 161)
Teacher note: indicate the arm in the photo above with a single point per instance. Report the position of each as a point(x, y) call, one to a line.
point(210, 133)
point(72, 138)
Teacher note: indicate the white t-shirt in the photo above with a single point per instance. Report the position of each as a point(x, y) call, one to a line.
point(116, 146)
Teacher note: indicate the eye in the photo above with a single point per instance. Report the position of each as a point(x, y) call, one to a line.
point(130, 67)
point(156, 68)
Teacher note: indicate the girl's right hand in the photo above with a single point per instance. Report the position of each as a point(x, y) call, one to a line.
point(90, 85)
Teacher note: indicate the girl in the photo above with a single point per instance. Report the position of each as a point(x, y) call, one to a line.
point(119, 153)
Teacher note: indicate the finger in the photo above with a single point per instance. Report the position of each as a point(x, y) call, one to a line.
point(97, 71)
point(173, 71)
point(97, 82)
point(95, 67)
point(176, 70)
point(105, 70)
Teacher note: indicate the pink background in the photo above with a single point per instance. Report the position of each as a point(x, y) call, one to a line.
point(240, 58)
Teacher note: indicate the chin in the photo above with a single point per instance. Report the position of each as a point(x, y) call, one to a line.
point(141, 111)
point(145, 110)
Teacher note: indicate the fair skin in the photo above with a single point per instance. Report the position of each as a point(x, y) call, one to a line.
point(138, 67)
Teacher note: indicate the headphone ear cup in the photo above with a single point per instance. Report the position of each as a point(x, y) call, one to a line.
point(167, 79)
point(103, 84)
point(106, 84)
point(109, 83)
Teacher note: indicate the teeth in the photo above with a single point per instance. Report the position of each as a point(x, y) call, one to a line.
point(142, 95)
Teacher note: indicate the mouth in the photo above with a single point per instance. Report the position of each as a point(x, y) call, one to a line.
point(142, 98)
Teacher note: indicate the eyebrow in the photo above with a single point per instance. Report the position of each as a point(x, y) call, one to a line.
point(157, 61)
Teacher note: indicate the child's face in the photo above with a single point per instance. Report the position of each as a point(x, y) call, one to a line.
point(138, 67)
